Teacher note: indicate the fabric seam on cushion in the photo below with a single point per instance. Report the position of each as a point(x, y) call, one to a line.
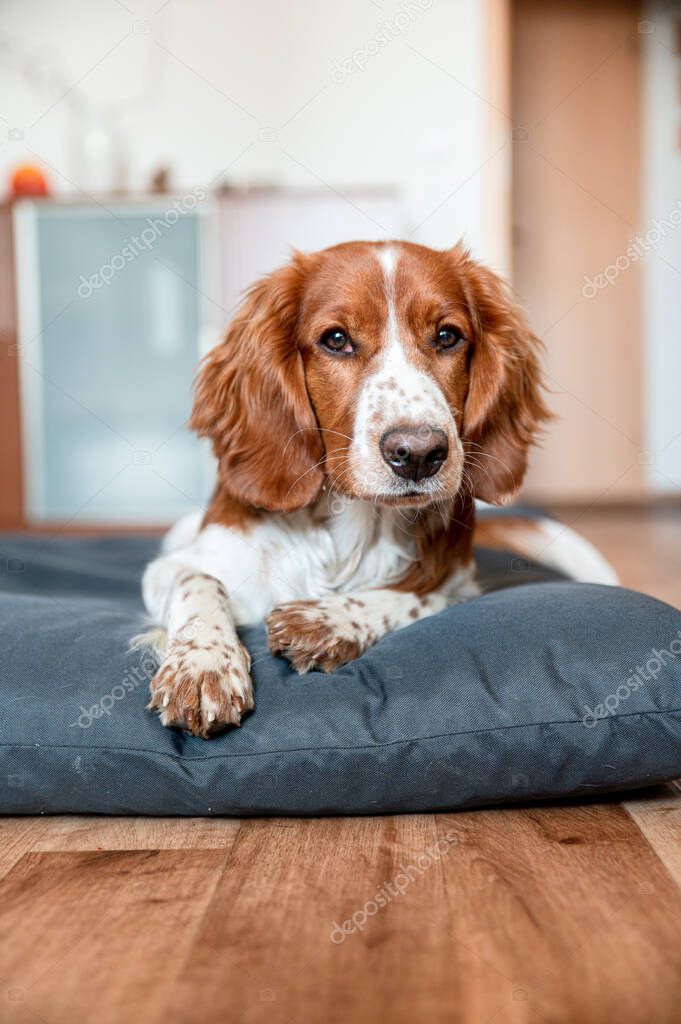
point(302, 750)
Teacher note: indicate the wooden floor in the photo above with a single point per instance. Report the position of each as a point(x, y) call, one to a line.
point(545, 913)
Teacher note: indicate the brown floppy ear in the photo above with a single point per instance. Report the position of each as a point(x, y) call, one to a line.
point(252, 402)
point(504, 408)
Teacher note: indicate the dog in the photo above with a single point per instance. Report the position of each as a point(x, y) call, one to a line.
point(363, 399)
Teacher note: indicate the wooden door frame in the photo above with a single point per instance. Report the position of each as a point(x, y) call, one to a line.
point(11, 470)
point(577, 201)
point(497, 172)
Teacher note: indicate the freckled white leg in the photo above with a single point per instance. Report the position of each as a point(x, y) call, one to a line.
point(203, 682)
point(328, 633)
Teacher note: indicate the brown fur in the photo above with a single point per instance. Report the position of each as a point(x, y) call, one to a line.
point(251, 401)
point(444, 542)
point(504, 408)
point(305, 640)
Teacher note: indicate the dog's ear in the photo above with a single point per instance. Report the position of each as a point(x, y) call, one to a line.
point(504, 408)
point(252, 402)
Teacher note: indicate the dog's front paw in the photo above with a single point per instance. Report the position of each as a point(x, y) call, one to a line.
point(317, 634)
point(203, 689)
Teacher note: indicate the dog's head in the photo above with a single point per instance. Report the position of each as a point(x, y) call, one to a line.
point(398, 373)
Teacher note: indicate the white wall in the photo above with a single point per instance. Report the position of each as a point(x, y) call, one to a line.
point(203, 85)
point(662, 263)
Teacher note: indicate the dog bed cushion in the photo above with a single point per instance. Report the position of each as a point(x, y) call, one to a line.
point(539, 690)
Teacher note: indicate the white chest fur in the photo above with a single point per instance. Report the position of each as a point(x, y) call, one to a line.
point(339, 547)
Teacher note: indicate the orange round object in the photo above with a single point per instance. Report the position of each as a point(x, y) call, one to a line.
point(29, 180)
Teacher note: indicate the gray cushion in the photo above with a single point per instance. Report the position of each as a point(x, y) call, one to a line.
point(527, 692)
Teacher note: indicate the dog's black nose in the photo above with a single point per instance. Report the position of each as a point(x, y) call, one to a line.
point(415, 454)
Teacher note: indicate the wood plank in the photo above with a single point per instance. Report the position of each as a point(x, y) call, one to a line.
point(572, 909)
point(17, 837)
point(100, 936)
point(90, 832)
point(658, 816)
point(272, 917)
point(531, 911)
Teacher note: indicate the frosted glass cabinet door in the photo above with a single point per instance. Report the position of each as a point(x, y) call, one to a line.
point(109, 342)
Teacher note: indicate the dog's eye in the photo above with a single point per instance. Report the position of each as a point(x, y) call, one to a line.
point(448, 337)
point(337, 341)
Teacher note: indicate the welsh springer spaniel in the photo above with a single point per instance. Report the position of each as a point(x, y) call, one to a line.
point(363, 398)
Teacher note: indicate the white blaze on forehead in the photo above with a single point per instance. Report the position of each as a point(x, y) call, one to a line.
point(414, 392)
point(397, 392)
point(388, 260)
